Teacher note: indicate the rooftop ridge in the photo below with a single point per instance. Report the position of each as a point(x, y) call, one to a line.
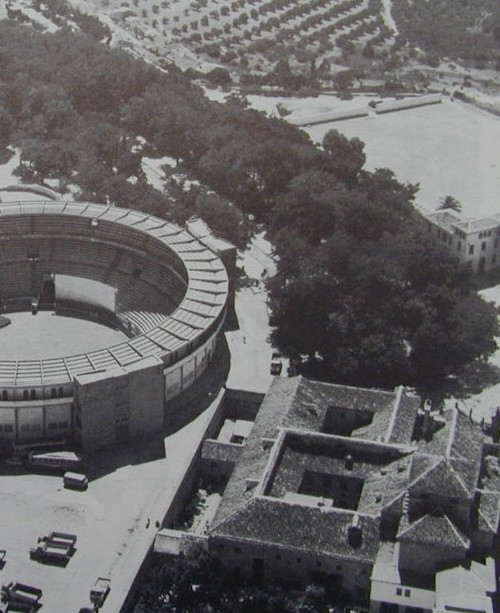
point(451, 435)
point(397, 402)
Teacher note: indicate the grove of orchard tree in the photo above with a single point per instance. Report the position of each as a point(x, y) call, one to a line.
point(362, 290)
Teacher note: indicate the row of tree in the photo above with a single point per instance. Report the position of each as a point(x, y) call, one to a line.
point(453, 29)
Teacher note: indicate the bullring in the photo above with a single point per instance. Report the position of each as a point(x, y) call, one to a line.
point(171, 293)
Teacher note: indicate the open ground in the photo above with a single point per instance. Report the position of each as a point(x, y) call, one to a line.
point(50, 336)
point(449, 149)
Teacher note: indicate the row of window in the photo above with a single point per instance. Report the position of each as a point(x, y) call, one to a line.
point(58, 425)
point(400, 592)
point(319, 564)
point(55, 392)
point(31, 427)
point(36, 427)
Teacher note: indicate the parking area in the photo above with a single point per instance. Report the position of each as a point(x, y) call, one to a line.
point(114, 522)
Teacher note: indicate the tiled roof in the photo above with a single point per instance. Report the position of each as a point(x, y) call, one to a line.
point(254, 455)
point(403, 419)
point(436, 475)
point(315, 530)
point(300, 404)
point(465, 438)
point(488, 511)
point(393, 412)
point(377, 465)
point(222, 452)
point(490, 478)
point(435, 531)
point(384, 487)
point(313, 399)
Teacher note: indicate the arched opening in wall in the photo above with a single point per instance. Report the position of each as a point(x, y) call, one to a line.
point(47, 295)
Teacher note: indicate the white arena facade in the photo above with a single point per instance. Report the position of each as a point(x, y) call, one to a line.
point(165, 289)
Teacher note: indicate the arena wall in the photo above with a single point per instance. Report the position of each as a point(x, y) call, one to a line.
point(172, 292)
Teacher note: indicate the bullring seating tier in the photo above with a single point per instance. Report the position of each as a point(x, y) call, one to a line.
point(169, 286)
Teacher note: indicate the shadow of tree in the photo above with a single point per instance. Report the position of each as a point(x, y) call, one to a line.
point(472, 380)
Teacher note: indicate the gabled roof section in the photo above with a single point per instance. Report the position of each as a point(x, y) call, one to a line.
point(312, 529)
point(465, 439)
point(433, 531)
point(434, 475)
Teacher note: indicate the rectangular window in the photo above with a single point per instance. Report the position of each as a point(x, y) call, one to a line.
point(495, 244)
point(407, 593)
point(494, 258)
point(459, 246)
point(5, 395)
point(483, 246)
point(399, 591)
point(471, 249)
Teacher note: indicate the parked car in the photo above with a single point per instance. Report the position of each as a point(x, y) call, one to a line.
point(100, 590)
point(276, 364)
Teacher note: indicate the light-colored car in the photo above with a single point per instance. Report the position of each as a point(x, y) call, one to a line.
point(276, 364)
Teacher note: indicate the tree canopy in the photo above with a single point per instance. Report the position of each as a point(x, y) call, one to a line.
point(363, 291)
point(196, 582)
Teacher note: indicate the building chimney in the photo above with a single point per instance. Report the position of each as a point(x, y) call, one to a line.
point(427, 425)
point(495, 426)
point(354, 532)
point(349, 462)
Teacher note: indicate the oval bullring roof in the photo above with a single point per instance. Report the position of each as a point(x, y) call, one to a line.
point(200, 308)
